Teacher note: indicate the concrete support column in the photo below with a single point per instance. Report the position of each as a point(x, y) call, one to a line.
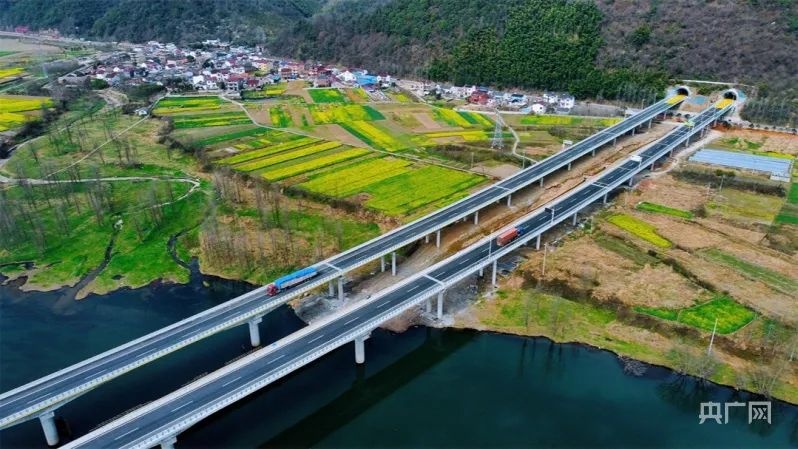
point(573, 222)
point(481, 271)
point(331, 286)
point(649, 122)
point(428, 306)
point(50, 430)
point(393, 263)
point(652, 167)
point(382, 262)
point(593, 153)
point(631, 181)
point(633, 130)
point(440, 305)
point(426, 238)
point(687, 142)
point(541, 182)
point(569, 166)
point(671, 153)
point(168, 443)
point(509, 199)
point(360, 349)
point(605, 198)
point(341, 288)
point(615, 141)
point(254, 332)
point(537, 241)
point(493, 281)
point(476, 218)
point(438, 238)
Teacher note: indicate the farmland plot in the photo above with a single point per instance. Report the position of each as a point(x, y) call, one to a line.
point(13, 103)
point(309, 164)
point(257, 164)
point(330, 95)
point(280, 116)
point(267, 151)
point(212, 119)
point(356, 178)
point(375, 135)
point(173, 105)
point(468, 136)
point(342, 113)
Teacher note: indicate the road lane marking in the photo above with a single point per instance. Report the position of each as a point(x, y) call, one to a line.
point(383, 304)
point(276, 359)
point(37, 399)
point(311, 341)
point(95, 375)
point(353, 319)
point(229, 382)
point(126, 433)
point(187, 403)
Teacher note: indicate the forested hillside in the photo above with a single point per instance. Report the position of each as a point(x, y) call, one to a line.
point(604, 48)
point(165, 20)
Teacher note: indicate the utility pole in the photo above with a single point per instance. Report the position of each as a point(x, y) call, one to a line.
point(545, 251)
point(712, 340)
point(497, 143)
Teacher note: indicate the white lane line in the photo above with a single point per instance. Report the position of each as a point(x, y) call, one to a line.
point(383, 304)
point(126, 433)
point(311, 341)
point(37, 399)
point(229, 382)
point(95, 375)
point(412, 289)
point(353, 319)
point(462, 261)
point(276, 359)
point(187, 403)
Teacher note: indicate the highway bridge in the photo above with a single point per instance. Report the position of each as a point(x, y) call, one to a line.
point(40, 398)
point(159, 422)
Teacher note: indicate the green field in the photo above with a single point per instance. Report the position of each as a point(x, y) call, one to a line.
point(268, 150)
point(355, 178)
point(268, 91)
point(730, 314)
point(173, 105)
point(309, 164)
point(660, 209)
point(639, 228)
point(568, 120)
point(184, 121)
point(329, 95)
point(789, 211)
point(252, 132)
point(377, 136)
point(285, 156)
point(772, 278)
point(342, 113)
point(280, 117)
point(6, 53)
point(408, 192)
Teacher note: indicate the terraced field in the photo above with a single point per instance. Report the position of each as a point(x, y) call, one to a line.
point(468, 136)
point(342, 113)
point(285, 156)
point(11, 72)
point(356, 178)
point(640, 229)
point(568, 120)
point(16, 110)
point(183, 121)
point(220, 138)
point(451, 117)
point(376, 135)
point(310, 164)
point(267, 151)
point(173, 105)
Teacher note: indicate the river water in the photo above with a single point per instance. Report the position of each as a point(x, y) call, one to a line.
point(422, 388)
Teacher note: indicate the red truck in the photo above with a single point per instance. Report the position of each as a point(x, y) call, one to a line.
point(507, 236)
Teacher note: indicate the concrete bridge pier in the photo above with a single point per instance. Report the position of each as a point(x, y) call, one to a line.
point(537, 242)
point(687, 142)
point(428, 306)
point(493, 279)
point(438, 238)
point(481, 271)
point(573, 222)
point(604, 200)
point(476, 218)
point(631, 181)
point(360, 349)
point(615, 142)
point(440, 305)
point(426, 238)
point(331, 286)
point(382, 262)
point(393, 262)
point(541, 182)
point(509, 199)
point(649, 122)
point(569, 166)
point(48, 425)
point(633, 130)
point(254, 332)
point(168, 443)
point(341, 288)
point(593, 153)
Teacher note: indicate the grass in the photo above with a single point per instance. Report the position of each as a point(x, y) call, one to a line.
point(10, 72)
point(356, 178)
point(356, 95)
point(304, 166)
point(772, 278)
point(254, 131)
point(736, 204)
point(280, 117)
point(730, 314)
point(660, 209)
point(172, 105)
point(624, 249)
point(212, 119)
point(468, 136)
point(640, 229)
point(408, 192)
point(375, 135)
point(285, 156)
point(789, 211)
point(568, 120)
point(329, 95)
point(342, 113)
point(273, 149)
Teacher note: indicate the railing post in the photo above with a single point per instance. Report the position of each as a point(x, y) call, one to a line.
point(48, 425)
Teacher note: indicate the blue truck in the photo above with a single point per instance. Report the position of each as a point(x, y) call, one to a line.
point(290, 280)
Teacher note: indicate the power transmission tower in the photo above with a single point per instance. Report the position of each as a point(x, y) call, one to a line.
point(497, 143)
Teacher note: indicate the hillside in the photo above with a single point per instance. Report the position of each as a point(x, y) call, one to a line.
point(606, 48)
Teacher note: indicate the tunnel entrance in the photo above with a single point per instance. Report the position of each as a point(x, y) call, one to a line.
point(683, 91)
point(730, 95)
